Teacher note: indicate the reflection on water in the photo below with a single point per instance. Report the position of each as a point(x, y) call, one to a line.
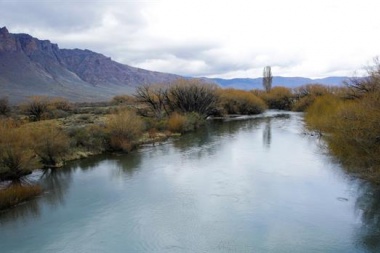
point(267, 134)
point(22, 212)
point(243, 185)
point(368, 208)
point(57, 182)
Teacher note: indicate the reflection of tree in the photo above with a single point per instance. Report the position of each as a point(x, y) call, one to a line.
point(86, 164)
point(127, 163)
point(267, 134)
point(56, 182)
point(21, 212)
point(368, 205)
point(203, 142)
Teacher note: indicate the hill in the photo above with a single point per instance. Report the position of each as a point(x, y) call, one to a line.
point(29, 66)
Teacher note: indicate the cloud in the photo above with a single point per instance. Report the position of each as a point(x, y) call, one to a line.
point(210, 38)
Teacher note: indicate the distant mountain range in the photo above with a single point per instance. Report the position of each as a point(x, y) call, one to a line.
point(29, 66)
point(290, 82)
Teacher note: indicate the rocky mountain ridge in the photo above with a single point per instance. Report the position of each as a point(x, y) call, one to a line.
point(29, 66)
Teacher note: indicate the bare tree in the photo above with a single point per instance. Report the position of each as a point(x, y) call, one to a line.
point(154, 97)
point(192, 95)
point(359, 86)
point(267, 78)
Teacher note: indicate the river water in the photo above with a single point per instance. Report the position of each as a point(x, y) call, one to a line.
point(244, 185)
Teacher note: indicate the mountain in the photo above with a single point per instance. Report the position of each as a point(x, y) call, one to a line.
point(29, 66)
point(290, 82)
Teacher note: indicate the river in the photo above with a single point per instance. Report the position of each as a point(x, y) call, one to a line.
point(244, 185)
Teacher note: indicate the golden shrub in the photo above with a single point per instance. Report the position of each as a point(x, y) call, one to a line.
point(240, 102)
point(278, 98)
point(50, 143)
point(16, 194)
point(177, 123)
point(16, 156)
point(124, 128)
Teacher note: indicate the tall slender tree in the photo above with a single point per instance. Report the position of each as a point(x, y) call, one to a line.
point(267, 78)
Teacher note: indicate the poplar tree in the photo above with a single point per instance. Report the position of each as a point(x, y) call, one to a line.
point(267, 78)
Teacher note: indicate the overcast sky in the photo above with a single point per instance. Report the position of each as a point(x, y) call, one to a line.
point(213, 38)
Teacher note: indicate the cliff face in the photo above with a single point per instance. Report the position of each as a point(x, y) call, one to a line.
point(29, 66)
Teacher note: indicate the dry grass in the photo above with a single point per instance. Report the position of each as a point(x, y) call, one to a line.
point(16, 194)
point(177, 123)
point(124, 128)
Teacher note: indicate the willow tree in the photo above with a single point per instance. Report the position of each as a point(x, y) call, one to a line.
point(267, 78)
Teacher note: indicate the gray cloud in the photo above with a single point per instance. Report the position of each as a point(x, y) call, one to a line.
point(188, 40)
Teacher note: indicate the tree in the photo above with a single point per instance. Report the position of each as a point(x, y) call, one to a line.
point(154, 97)
point(361, 86)
point(50, 143)
point(16, 157)
point(267, 78)
point(4, 106)
point(192, 95)
point(36, 107)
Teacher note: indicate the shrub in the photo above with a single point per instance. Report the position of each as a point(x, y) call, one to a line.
point(176, 123)
point(4, 106)
point(305, 95)
point(16, 157)
point(90, 137)
point(124, 128)
point(60, 104)
point(155, 99)
point(181, 123)
point(356, 135)
point(278, 98)
point(36, 107)
point(16, 194)
point(240, 102)
point(352, 131)
point(50, 143)
point(321, 114)
point(192, 95)
point(123, 100)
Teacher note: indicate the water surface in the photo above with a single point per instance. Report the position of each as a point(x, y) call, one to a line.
point(249, 185)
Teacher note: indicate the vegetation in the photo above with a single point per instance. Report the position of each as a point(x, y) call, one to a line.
point(124, 129)
point(17, 193)
point(277, 98)
point(182, 96)
point(4, 106)
point(233, 101)
point(188, 96)
point(267, 78)
point(16, 156)
point(49, 143)
point(46, 132)
point(350, 124)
